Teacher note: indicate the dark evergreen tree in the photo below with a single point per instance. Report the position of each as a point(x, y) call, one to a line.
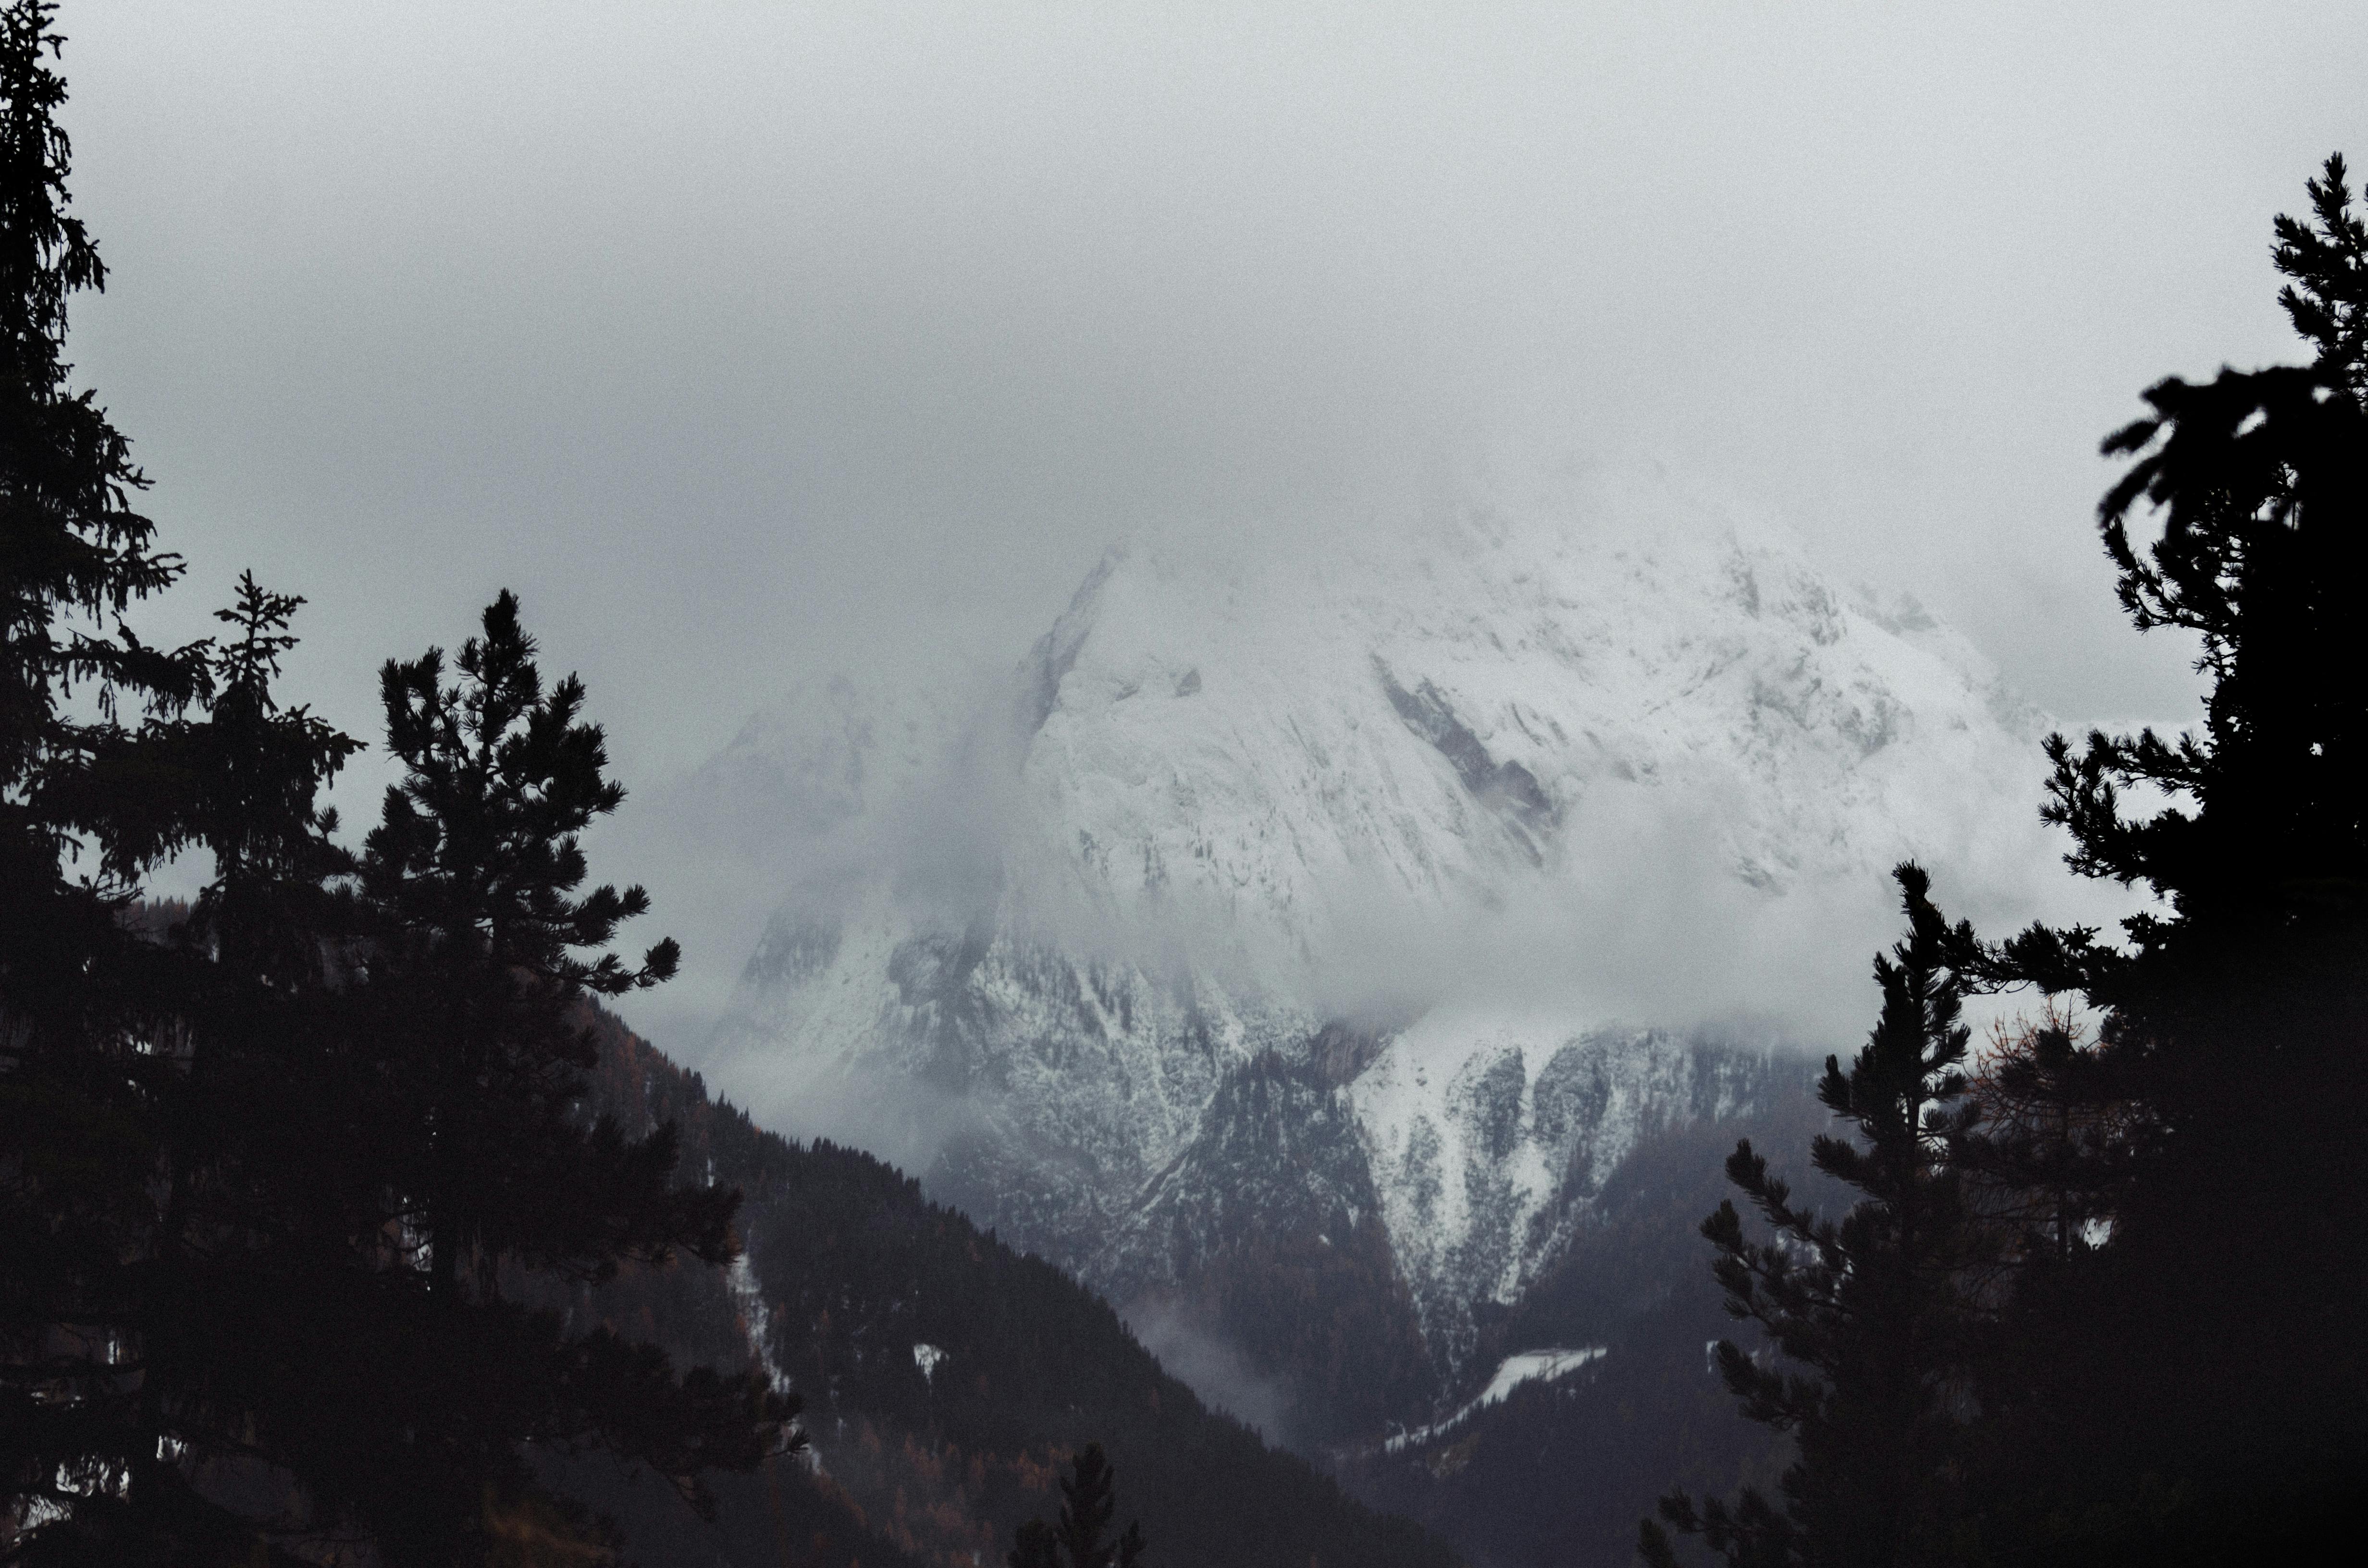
point(238, 1105)
point(73, 549)
point(2326, 260)
point(1883, 1310)
point(254, 1204)
point(302, 1374)
point(475, 1008)
point(2208, 1354)
point(473, 871)
point(83, 1035)
point(1090, 1501)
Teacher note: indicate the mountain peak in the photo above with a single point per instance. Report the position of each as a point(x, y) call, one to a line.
point(1414, 857)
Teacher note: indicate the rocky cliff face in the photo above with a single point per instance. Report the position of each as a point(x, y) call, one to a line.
point(1343, 919)
point(1488, 1149)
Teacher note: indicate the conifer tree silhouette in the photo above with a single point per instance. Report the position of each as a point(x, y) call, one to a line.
point(473, 873)
point(474, 919)
point(2326, 258)
point(1089, 1502)
point(2236, 1015)
point(261, 1168)
point(85, 1063)
point(1878, 1308)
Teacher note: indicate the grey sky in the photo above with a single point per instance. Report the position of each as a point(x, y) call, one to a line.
point(745, 338)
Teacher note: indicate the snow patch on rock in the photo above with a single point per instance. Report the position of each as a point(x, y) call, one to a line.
point(1528, 1367)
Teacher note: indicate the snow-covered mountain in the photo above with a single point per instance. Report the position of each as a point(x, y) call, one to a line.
point(1457, 841)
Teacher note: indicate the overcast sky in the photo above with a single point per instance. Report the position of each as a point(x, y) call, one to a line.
point(745, 339)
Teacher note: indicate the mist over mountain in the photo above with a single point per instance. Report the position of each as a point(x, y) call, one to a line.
point(1608, 744)
point(1328, 921)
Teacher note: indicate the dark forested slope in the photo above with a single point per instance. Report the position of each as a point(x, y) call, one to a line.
point(946, 1377)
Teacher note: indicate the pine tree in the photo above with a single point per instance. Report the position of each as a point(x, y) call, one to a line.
point(253, 1223)
point(72, 547)
point(1882, 1308)
point(2328, 260)
point(474, 870)
point(1081, 1540)
point(475, 1012)
point(83, 1065)
point(300, 1345)
point(2236, 1018)
point(2260, 481)
point(242, 1091)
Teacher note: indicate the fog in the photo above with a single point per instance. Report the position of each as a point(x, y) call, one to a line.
point(1381, 901)
point(750, 342)
point(1213, 1368)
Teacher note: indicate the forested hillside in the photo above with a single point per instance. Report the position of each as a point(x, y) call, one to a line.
point(946, 1377)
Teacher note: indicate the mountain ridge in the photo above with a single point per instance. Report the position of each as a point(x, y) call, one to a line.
point(1512, 773)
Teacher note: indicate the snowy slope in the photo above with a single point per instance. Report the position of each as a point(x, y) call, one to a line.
point(1508, 787)
point(1488, 1138)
